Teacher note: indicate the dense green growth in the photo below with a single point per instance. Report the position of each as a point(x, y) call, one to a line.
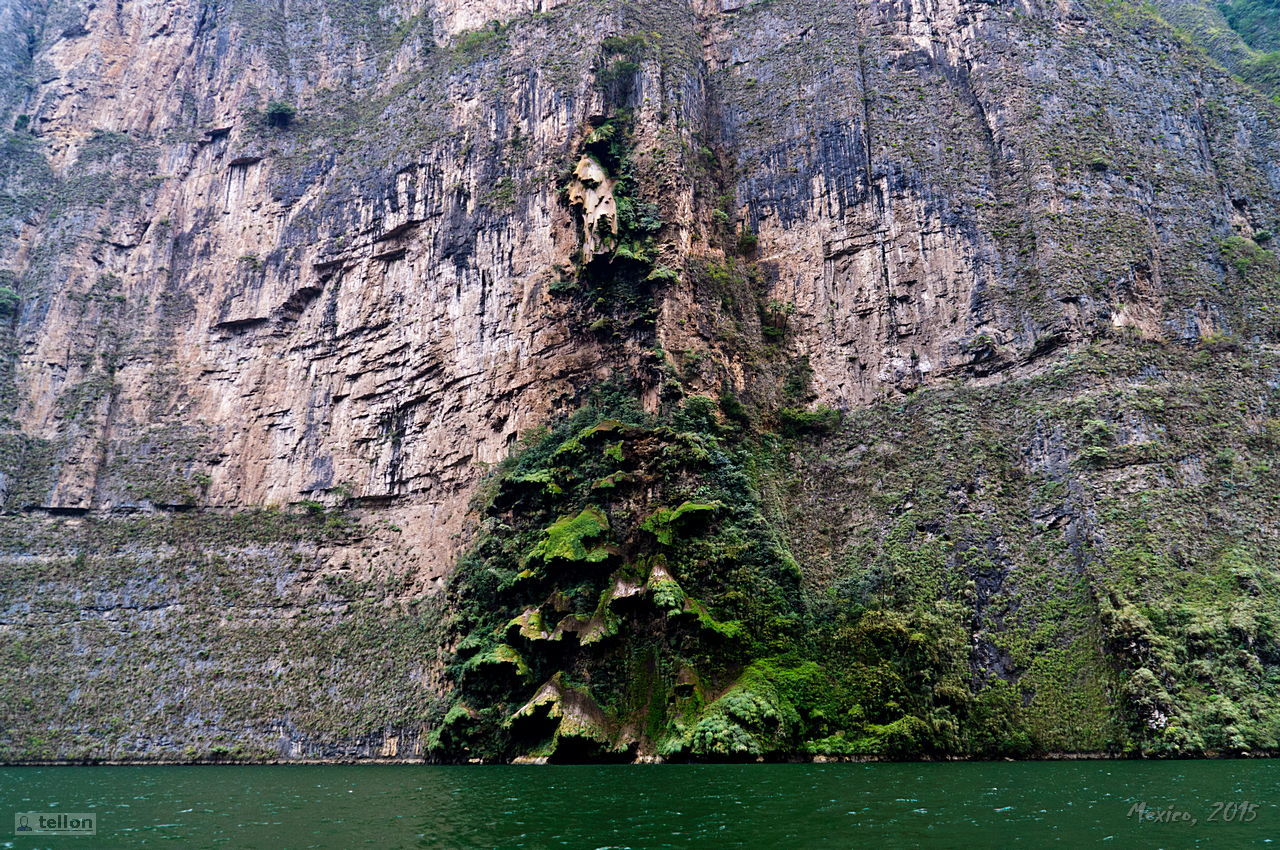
point(1257, 21)
point(1264, 72)
point(1242, 35)
point(629, 596)
point(974, 580)
point(484, 41)
point(620, 62)
point(625, 578)
point(280, 114)
point(619, 283)
point(1098, 539)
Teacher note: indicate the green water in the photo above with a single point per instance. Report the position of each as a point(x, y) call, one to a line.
point(1070, 804)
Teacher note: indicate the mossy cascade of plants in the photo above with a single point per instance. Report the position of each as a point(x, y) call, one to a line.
point(1135, 618)
point(619, 284)
point(628, 596)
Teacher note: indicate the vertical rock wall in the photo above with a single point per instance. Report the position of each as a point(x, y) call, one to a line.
point(328, 258)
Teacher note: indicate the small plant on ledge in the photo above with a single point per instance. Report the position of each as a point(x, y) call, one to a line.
point(280, 114)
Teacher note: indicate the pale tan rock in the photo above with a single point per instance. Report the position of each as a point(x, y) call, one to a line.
point(591, 194)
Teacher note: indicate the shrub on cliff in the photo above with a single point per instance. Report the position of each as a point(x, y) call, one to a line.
point(280, 114)
point(796, 422)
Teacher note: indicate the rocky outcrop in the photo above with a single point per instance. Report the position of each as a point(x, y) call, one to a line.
point(591, 194)
point(340, 259)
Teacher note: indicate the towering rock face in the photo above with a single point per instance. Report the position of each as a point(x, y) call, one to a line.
point(983, 293)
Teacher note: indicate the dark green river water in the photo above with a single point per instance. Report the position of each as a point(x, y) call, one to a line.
point(1069, 804)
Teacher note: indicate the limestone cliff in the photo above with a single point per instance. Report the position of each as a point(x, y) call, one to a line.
point(714, 378)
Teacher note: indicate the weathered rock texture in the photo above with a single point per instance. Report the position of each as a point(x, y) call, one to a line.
point(280, 281)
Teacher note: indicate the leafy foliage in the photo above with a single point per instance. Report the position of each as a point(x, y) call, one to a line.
point(595, 620)
point(574, 538)
point(700, 587)
point(280, 114)
point(620, 285)
point(1257, 21)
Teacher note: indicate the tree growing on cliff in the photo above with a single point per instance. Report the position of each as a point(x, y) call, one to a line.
point(280, 114)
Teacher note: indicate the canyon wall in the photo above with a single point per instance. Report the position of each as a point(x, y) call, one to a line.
point(286, 288)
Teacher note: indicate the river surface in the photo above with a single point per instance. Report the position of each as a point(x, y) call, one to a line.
point(1070, 804)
